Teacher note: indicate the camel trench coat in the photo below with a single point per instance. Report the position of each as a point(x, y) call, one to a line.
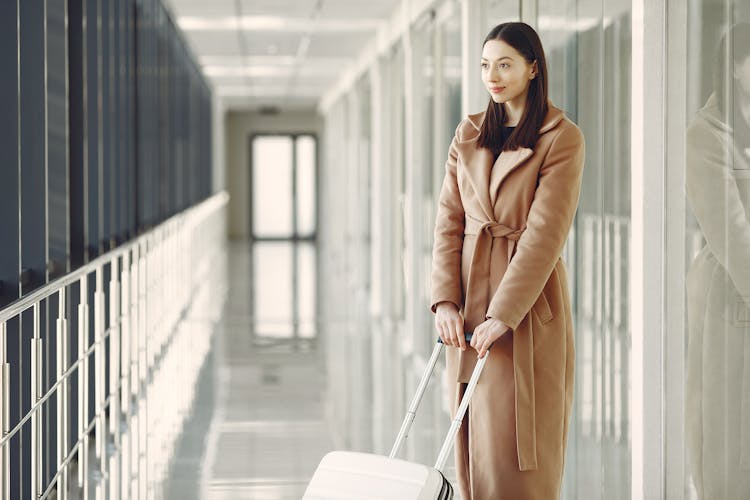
point(499, 233)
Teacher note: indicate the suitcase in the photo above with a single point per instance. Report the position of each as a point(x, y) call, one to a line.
point(347, 475)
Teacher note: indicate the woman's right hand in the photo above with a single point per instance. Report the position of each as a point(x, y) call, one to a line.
point(450, 325)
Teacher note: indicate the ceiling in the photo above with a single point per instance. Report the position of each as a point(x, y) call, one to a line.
point(277, 53)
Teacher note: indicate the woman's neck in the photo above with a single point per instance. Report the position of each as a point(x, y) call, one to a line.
point(513, 112)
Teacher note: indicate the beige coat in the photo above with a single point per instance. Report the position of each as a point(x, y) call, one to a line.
point(512, 443)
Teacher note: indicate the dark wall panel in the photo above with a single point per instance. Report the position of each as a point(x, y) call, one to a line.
point(78, 215)
point(33, 148)
point(9, 198)
point(92, 129)
point(57, 140)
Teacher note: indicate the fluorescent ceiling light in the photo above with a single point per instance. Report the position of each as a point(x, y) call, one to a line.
point(268, 60)
point(276, 23)
point(269, 91)
point(267, 70)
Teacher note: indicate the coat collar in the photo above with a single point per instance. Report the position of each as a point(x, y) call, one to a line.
point(487, 177)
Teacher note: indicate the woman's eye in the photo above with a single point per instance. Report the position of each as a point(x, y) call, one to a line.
point(484, 65)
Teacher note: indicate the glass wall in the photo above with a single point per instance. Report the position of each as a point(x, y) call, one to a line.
point(588, 59)
point(715, 279)
point(416, 88)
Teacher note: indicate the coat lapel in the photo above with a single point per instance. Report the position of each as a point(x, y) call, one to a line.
point(486, 177)
point(505, 164)
point(477, 164)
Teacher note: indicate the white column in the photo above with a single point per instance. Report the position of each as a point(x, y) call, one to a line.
point(648, 126)
point(473, 95)
point(675, 339)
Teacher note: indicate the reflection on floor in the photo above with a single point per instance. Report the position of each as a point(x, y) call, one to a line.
point(259, 422)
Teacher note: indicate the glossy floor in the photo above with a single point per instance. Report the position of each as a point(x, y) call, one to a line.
point(259, 424)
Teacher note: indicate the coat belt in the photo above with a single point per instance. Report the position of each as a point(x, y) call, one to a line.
point(476, 304)
point(478, 283)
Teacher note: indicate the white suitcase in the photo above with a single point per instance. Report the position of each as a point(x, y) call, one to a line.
point(347, 475)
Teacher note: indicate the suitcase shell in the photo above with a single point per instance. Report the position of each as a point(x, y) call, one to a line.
point(347, 475)
point(364, 476)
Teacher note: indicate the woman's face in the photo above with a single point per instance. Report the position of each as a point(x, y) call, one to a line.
point(505, 73)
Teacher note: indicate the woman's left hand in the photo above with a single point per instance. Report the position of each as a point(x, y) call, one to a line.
point(487, 333)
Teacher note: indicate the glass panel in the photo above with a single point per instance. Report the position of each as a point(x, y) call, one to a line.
point(425, 86)
point(588, 63)
point(717, 247)
point(501, 11)
point(395, 116)
point(306, 289)
point(306, 151)
point(272, 186)
point(273, 289)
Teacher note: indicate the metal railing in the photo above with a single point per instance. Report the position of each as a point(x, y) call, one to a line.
point(115, 347)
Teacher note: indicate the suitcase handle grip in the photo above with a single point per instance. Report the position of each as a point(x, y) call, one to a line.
point(467, 336)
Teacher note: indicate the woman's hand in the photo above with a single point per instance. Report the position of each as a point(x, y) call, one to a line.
point(450, 325)
point(487, 333)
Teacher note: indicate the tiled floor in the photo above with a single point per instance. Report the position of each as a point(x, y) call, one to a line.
point(258, 427)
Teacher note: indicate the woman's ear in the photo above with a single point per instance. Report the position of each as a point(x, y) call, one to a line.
point(533, 70)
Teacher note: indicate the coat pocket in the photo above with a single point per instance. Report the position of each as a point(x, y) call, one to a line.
point(542, 309)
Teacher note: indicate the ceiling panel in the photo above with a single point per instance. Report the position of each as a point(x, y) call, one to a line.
point(329, 45)
point(214, 43)
point(284, 53)
point(356, 9)
point(271, 43)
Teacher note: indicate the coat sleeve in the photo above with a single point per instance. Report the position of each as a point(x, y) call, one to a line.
point(547, 226)
point(449, 236)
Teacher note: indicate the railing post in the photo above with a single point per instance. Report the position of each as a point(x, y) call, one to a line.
point(62, 396)
point(114, 373)
point(4, 412)
point(143, 315)
point(99, 375)
point(126, 334)
point(114, 350)
point(83, 395)
point(135, 326)
point(36, 418)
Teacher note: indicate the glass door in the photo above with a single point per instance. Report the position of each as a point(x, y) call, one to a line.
point(283, 233)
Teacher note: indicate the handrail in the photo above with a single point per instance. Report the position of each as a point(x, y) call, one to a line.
point(135, 336)
point(19, 306)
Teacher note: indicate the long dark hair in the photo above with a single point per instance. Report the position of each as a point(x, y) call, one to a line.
point(525, 40)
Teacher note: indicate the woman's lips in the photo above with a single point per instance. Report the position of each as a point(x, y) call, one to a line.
point(496, 90)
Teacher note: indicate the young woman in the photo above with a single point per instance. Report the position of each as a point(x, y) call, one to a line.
point(511, 187)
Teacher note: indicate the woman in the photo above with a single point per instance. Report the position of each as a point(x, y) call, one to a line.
point(506, 206)
point(718, 282)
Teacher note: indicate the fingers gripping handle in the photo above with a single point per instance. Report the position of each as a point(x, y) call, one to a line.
point(467, 336)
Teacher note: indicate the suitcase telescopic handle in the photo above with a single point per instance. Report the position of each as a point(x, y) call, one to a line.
point(467, 336)
point(411, 413)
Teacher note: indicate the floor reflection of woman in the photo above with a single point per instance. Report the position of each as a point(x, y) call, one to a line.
point(718, 282)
